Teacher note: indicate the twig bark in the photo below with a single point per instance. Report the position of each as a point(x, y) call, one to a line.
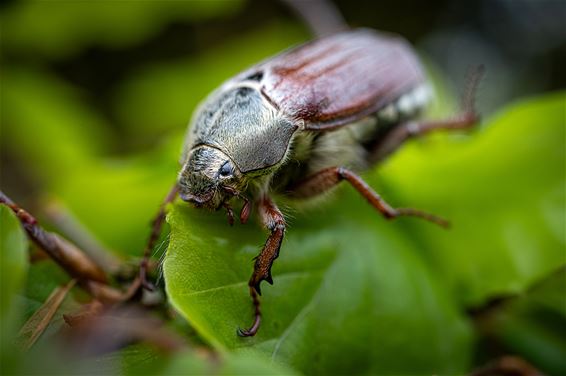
point(74, 261)
point(68, 225)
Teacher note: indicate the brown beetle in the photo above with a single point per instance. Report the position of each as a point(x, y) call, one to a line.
point(300, 123)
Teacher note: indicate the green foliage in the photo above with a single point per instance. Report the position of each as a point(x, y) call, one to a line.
point(143, 359)
point(38, 107)
point(532, 324)
point(13, 269)
point(503, 189)
point(13, 260)
point(57, 29)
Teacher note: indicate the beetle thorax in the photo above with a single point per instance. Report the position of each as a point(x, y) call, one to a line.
point(242, 124)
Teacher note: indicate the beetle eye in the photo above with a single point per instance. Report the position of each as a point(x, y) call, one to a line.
point(226, 169)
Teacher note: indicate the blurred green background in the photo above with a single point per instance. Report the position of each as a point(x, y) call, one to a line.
point(94, 101)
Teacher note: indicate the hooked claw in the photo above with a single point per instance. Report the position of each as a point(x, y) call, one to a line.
point(251, 331)
point(257, 319)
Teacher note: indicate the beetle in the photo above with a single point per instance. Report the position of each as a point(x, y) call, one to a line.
point(300, 123)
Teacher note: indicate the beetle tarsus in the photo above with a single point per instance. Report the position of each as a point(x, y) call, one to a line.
point(424, 215)
point(275, 222)
point(257, 315)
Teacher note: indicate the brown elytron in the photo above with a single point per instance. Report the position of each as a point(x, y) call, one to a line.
point(300, 123)
point(337, 80)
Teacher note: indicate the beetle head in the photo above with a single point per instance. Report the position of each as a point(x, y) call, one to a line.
point(208, 178)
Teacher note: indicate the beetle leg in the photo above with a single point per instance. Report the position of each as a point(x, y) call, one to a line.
point(324, 180)
point(246, 209)
point(273, 219)
point(411, 129)
point(156, 226)
point(466, 119)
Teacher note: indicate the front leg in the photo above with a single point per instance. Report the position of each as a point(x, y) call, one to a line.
point(273, 219)
point(156, 226)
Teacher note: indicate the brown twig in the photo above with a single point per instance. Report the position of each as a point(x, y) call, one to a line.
point(68, 225)
point(73, 260)
point(69, 257)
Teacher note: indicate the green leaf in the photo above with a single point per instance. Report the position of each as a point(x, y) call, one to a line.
point(503, 190)
point(532, 324)
point(13, 259)
point(144, 359)
point(13, 269)
point(189, 363)
point(38, 106)
point(341, 285)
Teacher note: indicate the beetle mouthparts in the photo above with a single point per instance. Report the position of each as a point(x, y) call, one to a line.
point(197, 200)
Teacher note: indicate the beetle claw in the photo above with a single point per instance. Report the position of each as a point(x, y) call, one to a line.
point(245, 332)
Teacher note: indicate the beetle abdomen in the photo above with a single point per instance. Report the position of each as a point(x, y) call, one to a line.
point(406, 106)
